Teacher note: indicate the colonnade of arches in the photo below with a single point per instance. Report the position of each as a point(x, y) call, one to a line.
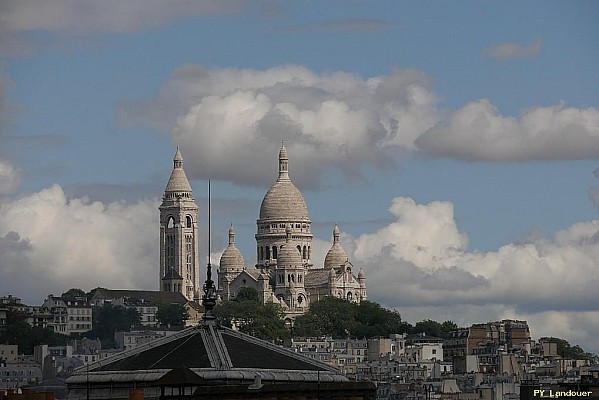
point(290, 278)
point(265, 252)
point(171, 221)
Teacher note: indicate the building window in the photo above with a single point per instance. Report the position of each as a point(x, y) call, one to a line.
point(188, 221)
point(274, 252)
point(189, 251)
point(170, 251)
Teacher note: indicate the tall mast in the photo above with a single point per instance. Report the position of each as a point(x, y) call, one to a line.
point(209, 299)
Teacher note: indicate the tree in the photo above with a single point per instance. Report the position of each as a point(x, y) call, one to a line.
point(14, 315)
point(566, 350)
point(172, 314)
point(247, 293)
point(27, 337)
point(92, 292)
point(73, 294)
point(447, 327)
point(434, 328)
point(339, 318)
point(428, 327)
point(264, 321)
point(330, 316)
point(109, 319)
point(374, 320)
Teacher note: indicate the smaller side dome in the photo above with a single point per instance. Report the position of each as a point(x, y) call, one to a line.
point(231, 258)
point(336, 256)
point(361, 274)
point(288, 256)
point(178, 181)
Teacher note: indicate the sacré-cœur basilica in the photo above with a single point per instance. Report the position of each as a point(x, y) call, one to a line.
point(284, 272)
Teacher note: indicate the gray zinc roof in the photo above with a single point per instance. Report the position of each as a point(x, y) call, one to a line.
point(212, 353)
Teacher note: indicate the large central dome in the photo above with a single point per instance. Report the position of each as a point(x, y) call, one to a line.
point(283, 201)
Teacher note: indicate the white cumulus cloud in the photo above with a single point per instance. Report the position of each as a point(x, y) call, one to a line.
point(420, 263)
point(50, 243)
point(342, 121)
point(10, 178)
point(231, 118)
point(479, 132)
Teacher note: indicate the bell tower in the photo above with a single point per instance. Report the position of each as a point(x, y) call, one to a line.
point(179, 250)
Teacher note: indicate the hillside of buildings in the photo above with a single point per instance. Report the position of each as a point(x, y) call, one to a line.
point(364, 340)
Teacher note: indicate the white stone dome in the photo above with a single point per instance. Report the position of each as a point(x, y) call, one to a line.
point(288, 255)
point(231, 257)
point(284, 201)
point(178, 181)
point(336, 256)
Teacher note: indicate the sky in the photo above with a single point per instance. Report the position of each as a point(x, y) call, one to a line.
point(456, 145)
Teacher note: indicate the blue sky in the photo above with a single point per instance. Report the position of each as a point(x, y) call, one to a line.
point(484, 114)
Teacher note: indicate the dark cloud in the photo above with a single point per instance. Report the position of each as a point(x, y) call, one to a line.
point(452, 278)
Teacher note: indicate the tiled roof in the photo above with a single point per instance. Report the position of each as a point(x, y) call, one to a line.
point(317, 277)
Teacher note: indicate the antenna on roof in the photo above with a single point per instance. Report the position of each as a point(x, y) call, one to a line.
point(209, 299)
point(209, 228)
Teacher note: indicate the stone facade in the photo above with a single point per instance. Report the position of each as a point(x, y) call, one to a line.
point(179, 250)
point(284, 272)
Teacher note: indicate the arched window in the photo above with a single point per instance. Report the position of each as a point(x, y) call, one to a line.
point(274, 252)
point(349, 296)
point(267, 253)
point(170, 250)
point(188, 221)
point(299, 249)
point(261, 253)
point(305, 253)
point(288, 277)
point(171, 222)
